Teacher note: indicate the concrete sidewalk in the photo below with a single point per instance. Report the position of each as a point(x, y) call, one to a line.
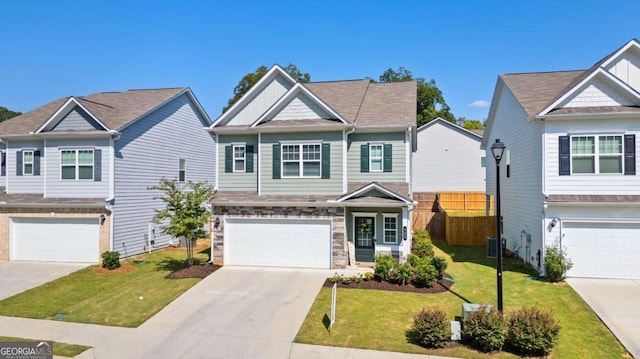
point(616, 302)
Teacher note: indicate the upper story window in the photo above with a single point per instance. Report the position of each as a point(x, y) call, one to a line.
point(182, 170)
point(27, 162)
point(376, 157)
point(76, 164)
point(239, 158)
point(390, 229)
point(301, 160)
point(596, 154)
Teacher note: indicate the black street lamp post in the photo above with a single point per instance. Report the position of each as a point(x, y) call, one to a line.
point(497, 149)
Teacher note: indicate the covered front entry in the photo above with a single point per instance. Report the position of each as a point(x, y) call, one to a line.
point(364, 228)
point(277, 242)
point(54, 239)
point(603, 250)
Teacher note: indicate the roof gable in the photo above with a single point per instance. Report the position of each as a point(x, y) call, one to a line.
point(73, 113)
point(439, 121)
point(376, 190)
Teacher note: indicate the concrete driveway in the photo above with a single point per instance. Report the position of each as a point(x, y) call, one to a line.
point(616, 302)
point(235, 313)
point(18, 276)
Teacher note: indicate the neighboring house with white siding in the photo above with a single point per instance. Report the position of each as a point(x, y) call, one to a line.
point(448, 158)
point(75, 172)
point(572, 137)
point(314, 174)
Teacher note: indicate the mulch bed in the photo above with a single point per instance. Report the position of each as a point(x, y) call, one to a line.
point(440, 286)
point(125, 267)
point(195, 271)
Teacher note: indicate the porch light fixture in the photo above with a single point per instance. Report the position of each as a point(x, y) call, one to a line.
point(497, 149)
point(216, 223)
point(102, 219)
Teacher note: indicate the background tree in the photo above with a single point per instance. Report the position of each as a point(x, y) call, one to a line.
point(430, 104)
point(6, 114)
point(471, 124)
point(251, 78)
point(186, 210)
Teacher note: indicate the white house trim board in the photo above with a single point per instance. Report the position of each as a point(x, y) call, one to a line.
point(290, 95)
point(623, 49)
point(69, 105)
point(259, 169)
point(274, 71)
point(374, 185)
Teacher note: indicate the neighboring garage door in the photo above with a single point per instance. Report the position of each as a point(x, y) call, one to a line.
point(603, 250)
point(278, 243)
point(54, 239)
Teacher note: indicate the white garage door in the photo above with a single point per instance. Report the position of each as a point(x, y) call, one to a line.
point(49, 239)
point(277, 243)
point(603, 250)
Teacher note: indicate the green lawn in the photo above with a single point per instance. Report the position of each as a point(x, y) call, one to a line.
point(379, 319)
point(108, 299)
point(59, 349)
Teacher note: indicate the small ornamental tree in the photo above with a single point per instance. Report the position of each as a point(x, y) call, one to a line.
point(186, 210)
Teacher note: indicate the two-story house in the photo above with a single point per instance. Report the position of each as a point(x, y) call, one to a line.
point(570, 175)
point(314, 174)
point(75, 172)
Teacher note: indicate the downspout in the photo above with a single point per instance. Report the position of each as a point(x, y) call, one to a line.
point(345, 145)
point(44, 173)
point(259, 164)
point(112, 185)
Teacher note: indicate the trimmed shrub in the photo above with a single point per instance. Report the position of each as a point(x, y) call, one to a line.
point(485, 329)
point(111, 260)
point(430, 329)
point(440, 264)
point(556, 264)
point(422, 246)
point(369, 276)
point(384, 266)
point(403, 273)
point(425, 273)
point(532, 332)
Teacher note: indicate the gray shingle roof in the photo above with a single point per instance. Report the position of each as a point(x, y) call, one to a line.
point(114, 109)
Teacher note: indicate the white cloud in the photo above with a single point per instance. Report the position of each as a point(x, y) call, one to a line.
point(479, 103)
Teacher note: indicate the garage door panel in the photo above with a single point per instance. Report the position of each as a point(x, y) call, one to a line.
point(46, 239)
point(279, 243)
point(603, 250)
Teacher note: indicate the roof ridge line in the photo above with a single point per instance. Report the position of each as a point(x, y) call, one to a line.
point(97, 103)
point(364, 94)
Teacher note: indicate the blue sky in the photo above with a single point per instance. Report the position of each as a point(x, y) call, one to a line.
point(60, 48)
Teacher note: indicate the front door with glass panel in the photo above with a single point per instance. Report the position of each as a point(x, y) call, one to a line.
point(364, 228)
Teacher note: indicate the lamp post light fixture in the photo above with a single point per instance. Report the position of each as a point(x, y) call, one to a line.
point(497, 149)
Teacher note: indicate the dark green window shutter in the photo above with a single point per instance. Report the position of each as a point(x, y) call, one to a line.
point(36, 163)
point(228, 159)
point(564, 156)
point(629, 155)
point(388, 163)
point(4, 164)
point(249, 159)
point(364, 158)
point(97, 165)
point(326, 160)
point(276, 161)
point(18, 163)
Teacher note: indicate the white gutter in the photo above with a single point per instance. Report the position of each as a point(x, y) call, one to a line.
point(259, 171)
point(598, 115)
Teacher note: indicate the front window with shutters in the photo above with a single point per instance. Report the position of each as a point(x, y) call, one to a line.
point(596, 154)
point(239, 158)
point(376, 157)
point(301, 160)
point(76, 164)
point(27, 162)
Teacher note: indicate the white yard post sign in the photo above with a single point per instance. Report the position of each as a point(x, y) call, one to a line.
point(333, 305)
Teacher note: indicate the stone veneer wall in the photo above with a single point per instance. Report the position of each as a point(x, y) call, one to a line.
point(335, 214)
point(7, 213)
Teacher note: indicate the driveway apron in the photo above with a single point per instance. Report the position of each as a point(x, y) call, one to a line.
point(615, 301)
point(18, 276)
point(236, 312)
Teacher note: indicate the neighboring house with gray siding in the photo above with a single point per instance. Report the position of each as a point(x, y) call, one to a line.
point(573, 179)
point(314, 174)
point(76, 172)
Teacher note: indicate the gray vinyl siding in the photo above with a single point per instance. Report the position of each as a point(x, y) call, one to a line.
point(147, 151)
point(302, 186)
point(301, 107)
point(77, 119)
point(521, 193)
point(237, 181)
point(24, 183)
point(57, 187)
point(399, 157)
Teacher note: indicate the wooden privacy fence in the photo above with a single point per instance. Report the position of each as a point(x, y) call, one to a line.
point(469, 231)
point(464, 201)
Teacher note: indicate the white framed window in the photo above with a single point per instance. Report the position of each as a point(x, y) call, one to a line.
point(76, 164)
point(376, 157)
point(182, 170)
point(301, 160)
point(27, 162)
point(596, 154)
point(239, 158)
point(390, 229)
